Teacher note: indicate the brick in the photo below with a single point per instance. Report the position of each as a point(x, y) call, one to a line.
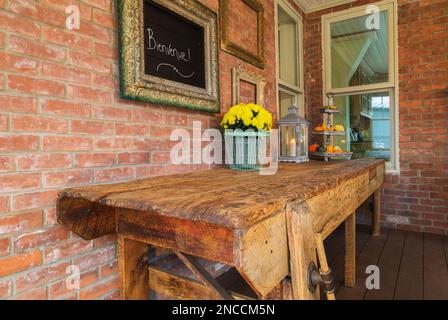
point(109, 269)
point(120, 143)
point(89, 62)
point(36, 294)
point(89, 94)
point(105, 50)
point(60, 289)
point(95, 31)
point(62, 143)
point(160, 157)
point(2, 39)
point(105, 81)
point(70, 74)
point(67, 108)
point(5, 289)
point(105, 241)
point(40, 238)
point(104, 19)
point(5, 244)
point(19, 182)
point(18, 104)
point(50, 216)
point(93, 127)
point(34, 123)
point(4, 202)
point(15, 143)
point(114, 174)
point(149, 171)
point(133, 158)
point(112, 113)
point(101, 4)
point(114, 295)
point(95, 159)
point(66, 249)
point(146, 116)
point(34, 200)
point(41, 276)
point(16, 24)
point(38, 50)
point(161, 132)
point(44, 161)
point(95, 258)
point(67, 178)
point(4, 122)
point(19, 262)
point(30, 8)
point(12, 62)
point(84, 9)
point(99, 289)
point(66, 39)
point(131, 129)
point(35, 86)
point(20, 222)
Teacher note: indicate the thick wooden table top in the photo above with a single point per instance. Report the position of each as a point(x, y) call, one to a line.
point(225, 197)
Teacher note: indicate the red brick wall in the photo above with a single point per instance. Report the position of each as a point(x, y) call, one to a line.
point(417, 199)
point(62, 124)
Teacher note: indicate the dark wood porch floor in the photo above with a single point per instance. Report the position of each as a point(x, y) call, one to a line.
point(412, 265)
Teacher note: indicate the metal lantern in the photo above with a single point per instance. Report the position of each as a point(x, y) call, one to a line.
point(293, 137)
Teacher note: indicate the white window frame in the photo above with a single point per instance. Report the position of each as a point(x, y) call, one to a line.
point(284, 86)
point(391, 86)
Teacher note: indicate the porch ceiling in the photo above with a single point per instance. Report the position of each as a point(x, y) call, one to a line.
point(315, 5)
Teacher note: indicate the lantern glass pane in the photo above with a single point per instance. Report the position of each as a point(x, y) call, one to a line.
point(303, 141)
point(288, 141)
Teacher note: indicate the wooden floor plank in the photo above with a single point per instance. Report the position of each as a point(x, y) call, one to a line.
point(389, 265)
point(369, 255)
point(410, 276)
point(434, 268)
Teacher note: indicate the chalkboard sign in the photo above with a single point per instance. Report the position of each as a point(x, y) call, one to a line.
point(169, 53)
point(174, 46)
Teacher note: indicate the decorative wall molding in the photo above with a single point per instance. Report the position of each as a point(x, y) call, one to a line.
point(235, 49)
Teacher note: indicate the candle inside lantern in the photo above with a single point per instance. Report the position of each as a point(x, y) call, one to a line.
point(292, 147)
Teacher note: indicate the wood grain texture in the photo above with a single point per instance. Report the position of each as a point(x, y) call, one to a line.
point(262, 254)
point(410, 278)
point(376, 218)
point(133, 260)
point(217, 196)
point(435, 271)
point(302, 249)
point(389, 265)
point(197, 238)
point(350, 250)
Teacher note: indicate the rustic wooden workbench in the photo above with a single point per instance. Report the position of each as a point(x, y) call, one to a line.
point(264, 226)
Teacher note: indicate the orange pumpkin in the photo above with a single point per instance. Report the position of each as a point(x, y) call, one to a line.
point(313, 147)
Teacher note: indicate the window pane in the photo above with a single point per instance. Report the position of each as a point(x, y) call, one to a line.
point(359, 52)
point(368, 118)
point(288, 51)
point(286, 101)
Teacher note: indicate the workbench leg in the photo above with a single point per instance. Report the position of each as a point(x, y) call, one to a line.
point(324, 268)
point(302, 251)
point(376, 218)
point(350, 250)
point(133, 267)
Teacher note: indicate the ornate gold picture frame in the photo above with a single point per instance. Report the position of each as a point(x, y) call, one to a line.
point(235, 49)
point(136, 83)
point(240, 74)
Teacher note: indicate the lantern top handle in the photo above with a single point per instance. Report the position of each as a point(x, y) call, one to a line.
point(293, 118)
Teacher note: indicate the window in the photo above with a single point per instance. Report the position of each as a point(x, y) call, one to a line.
point(359, 57)
point(289, 56)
